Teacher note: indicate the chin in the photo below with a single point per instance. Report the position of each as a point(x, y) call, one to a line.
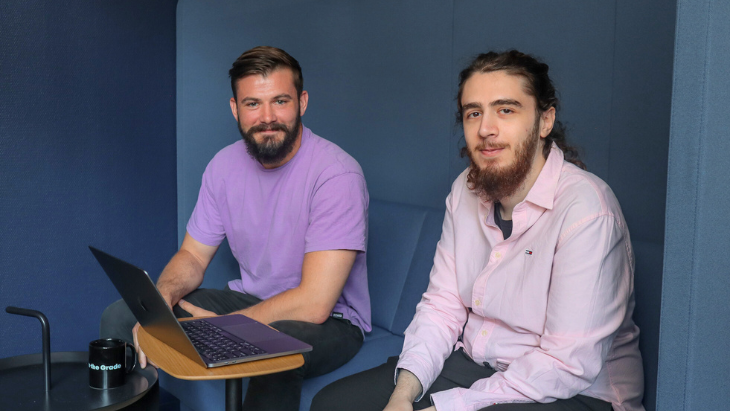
point(493, 164)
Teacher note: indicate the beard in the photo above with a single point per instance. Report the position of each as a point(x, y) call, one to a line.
point(270, 151)
point(492, 182)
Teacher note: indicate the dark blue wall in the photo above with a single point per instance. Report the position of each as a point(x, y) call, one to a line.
point(87, 156)
point(695, 326)
point(381, 76)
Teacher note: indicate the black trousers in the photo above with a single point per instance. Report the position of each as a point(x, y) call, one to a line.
point(370, 390)
point(334, 343)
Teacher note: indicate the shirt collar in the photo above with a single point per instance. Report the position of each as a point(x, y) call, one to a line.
point(542, 193)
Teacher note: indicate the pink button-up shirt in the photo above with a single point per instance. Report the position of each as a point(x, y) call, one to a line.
point(550, 306)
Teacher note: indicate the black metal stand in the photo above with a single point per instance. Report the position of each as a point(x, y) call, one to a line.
point(234, 394)
point(46, 329)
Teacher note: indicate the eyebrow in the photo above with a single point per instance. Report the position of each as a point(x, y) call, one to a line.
point(506, 102)
point(469, 106)
point(254, 99)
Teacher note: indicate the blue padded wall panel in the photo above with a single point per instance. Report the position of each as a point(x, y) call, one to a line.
point(87, 149)
point(642, 91)
point(639, 129)
point(694, 371)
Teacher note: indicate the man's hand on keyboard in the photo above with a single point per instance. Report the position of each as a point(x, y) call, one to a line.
point(195, 311)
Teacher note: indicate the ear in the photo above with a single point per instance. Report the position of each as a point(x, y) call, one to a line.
point(234, 108)
point(303, 100)
point(547, 121)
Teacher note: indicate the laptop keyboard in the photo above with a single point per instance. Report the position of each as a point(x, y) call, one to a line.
point(212, 342)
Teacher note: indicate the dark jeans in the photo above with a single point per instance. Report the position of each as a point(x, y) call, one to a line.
point(370, 390)
point(334, 343)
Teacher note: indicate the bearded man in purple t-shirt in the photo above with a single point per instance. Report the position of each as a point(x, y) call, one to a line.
point(293, 207)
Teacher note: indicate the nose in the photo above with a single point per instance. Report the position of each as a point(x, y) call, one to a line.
point(268, 114)
point(488, 126)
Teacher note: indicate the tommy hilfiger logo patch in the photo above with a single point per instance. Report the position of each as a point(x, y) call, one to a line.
point(528, 251)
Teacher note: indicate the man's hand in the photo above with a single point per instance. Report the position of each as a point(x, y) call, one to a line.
point(141, 358)
point(398, 404)
point(194, 310)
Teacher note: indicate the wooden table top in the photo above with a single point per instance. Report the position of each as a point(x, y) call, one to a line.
point(180, 366)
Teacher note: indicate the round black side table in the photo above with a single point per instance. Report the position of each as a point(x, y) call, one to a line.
point(22, 385)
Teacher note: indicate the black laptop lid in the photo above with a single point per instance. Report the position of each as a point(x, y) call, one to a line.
point(144, 300)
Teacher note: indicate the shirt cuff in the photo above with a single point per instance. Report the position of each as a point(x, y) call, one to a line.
point(449, 400)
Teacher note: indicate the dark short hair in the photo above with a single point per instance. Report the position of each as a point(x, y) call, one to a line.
point(262, 60)
point(538, 85)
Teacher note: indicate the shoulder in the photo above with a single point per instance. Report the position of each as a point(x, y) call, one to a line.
point(329, 160)
point(230, 157)
point(460, 192)
point(581, 196)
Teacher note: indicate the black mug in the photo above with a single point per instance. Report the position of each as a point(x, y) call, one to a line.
point(108, 366)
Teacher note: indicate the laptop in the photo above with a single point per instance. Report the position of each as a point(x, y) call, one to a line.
point(210, 342)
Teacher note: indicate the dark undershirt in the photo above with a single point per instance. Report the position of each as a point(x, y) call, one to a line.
point(504, 225)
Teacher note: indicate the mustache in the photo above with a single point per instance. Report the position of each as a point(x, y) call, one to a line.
point(268, 127)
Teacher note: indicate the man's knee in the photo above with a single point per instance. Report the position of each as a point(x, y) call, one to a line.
point(368, 390)
point(327, 399)
point(117, 321)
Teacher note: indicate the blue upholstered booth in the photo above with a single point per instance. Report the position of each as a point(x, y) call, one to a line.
point(401, 245)
point(381, 76)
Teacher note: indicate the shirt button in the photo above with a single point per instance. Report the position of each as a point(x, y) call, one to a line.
point(484, 333)
point(497, 255)
point(477, 303)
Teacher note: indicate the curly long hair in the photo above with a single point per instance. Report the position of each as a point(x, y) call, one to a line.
point(539, 86)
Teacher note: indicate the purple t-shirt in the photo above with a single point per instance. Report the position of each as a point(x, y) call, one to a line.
point(317, 201)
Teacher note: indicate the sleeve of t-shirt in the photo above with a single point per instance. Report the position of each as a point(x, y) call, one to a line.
point(205, 223)
point(338, 218)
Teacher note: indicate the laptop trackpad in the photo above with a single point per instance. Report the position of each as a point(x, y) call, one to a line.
point(253, 332)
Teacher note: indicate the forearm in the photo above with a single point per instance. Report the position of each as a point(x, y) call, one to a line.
point(324, 274)
point(291, 304)
point(407, 388)
point(183, 274)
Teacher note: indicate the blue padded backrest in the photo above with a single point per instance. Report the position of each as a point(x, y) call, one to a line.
point(648, 289)
point(418, 274)
point(401, 244)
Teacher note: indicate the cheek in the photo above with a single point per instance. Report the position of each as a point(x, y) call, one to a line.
point(246, 119)
point(471, 132)
point(471, 139)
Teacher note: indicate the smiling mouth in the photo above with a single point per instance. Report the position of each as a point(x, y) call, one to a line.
point(491, 151)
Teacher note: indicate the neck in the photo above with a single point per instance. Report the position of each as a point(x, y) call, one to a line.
point(508, 203)
point(295, 148)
